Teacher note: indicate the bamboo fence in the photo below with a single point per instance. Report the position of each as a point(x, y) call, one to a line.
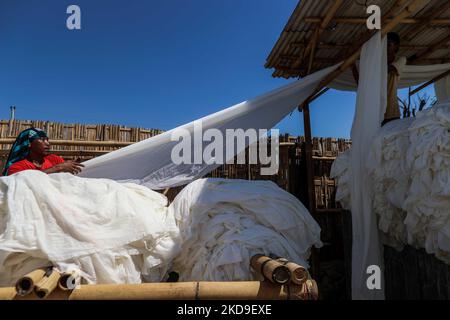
point(85, 141)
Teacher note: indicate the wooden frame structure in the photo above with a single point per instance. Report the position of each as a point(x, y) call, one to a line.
point(336, 33)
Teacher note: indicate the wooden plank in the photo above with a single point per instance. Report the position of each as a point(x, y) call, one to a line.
point(356, 20)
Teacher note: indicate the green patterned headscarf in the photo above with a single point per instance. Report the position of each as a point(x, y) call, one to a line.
point(21, 147)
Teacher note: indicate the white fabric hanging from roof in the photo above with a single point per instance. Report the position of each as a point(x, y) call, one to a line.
point(442, 88)
point(370, 107)
point(410, 75)
point(149, 162)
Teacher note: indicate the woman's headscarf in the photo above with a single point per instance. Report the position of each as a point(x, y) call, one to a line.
point(21, 147)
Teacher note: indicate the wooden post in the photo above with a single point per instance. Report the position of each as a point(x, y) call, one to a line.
point(315, 261)
point(309, 158)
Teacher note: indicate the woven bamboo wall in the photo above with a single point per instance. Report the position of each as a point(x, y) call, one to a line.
point(289, 177)
point(74, 132)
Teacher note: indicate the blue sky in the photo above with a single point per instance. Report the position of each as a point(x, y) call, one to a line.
point(152, 64)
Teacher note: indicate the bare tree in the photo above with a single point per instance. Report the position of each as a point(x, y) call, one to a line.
point(410, 108)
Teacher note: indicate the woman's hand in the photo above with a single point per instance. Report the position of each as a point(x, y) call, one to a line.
point(70, 166)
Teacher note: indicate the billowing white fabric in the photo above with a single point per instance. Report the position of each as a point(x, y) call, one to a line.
point(370, 107)
point(410, 75)
point(442, 88)
point(410, 167)
point(223, 223)
point(113, 232)
point(149, 162)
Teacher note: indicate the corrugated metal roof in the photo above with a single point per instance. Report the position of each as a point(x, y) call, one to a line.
point(286, 55)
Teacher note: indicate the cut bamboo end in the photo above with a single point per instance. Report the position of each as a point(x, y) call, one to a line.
point(25, 285)
point(68, 281)
point(272, 270)
point(47, 284)
point(299, 274)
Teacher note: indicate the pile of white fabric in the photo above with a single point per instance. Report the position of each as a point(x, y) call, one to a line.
point(114, 232)
point(409, 165)
point(223, 223)
point(111, 232)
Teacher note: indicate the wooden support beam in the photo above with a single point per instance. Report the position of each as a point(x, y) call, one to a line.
point(313, 50)
point(439, 77)
point(395, 9)
point(323, 24)
point(430, 50)
point(348, 45)
point(309, 50)
point(427, 22)
point(409, 10)
point(334, 61)
point(350, 20)
point(319, 94)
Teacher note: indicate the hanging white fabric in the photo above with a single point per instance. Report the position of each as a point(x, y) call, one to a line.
point(149, 162)
point(442, 88)
point(410, 75)
point(370, 107)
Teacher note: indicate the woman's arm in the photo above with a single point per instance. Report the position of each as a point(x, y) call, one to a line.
point(68, 166)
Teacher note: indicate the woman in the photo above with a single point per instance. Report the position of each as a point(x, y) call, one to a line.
point(30, 151)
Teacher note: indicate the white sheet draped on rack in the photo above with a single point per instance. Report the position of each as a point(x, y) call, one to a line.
point(410, 76)
point(149, 162)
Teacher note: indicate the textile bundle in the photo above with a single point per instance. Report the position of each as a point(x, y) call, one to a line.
point(409, 164)
point(114, 232)
point(223, 223)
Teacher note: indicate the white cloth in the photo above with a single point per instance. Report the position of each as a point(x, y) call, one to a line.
point(410, 169)
point(224, 222)
point(113, 232)
point(442, 88)
point(410, 75)
point(370, 107)
point(149, 162)
point(124, 233)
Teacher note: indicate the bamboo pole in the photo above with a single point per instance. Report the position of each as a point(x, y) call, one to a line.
point(441, 76)
point(242, 290)
point(299, 274)
point(69, 280)
point(47, 284)
point(25, 285)
point(272, 270)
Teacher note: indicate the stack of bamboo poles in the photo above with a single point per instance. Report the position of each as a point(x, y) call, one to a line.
point(283, 272)
point(44, 281)
point(284, 280)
